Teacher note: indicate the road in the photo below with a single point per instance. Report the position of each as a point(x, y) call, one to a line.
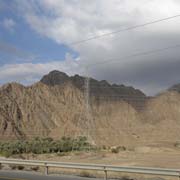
point(16, 175)
point(12, 175)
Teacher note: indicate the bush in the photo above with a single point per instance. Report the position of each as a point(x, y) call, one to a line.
point(104, 147)
point(35, 168)
point(20, 167)
point(6, 154)
point(177, 144)
point(116, 149)
point(43, 145)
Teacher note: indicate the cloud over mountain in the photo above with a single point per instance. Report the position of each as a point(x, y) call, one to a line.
point(65, 22)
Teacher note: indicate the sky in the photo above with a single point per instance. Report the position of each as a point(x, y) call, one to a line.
point(38, 36)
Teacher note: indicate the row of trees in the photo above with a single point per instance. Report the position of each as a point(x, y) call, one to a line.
point(44, 145)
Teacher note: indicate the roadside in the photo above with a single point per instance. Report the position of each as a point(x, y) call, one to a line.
point(22, 175)
point(147, 156)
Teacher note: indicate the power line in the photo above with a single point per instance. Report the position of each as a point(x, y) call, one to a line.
point(144, 53)
point(123, 30)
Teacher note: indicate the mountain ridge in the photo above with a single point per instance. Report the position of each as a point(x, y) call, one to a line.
point(116, 115)
point(57, 78)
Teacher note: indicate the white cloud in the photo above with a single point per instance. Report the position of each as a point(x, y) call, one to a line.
point(67, 21)
point(28, 73)
point(8, 23)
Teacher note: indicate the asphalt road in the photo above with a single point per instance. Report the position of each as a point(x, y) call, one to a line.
point(15, 175)
point(12, 175)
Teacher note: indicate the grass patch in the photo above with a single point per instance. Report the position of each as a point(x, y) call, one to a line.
point(44, 146)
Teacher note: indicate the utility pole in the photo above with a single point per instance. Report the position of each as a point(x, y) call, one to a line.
point(87, 108)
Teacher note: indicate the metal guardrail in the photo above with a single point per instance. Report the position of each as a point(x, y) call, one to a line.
point(96, 167)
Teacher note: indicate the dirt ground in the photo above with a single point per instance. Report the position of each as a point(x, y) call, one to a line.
point(153, 155)
point(149, 156)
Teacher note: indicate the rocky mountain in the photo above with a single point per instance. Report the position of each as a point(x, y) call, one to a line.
point(100, 90)
point(59, 78)
point(57, 106)
point(176, 88)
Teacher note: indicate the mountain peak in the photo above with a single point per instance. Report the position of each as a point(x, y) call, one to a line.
point(96, 87)
point(55, 78)
point(176, 88)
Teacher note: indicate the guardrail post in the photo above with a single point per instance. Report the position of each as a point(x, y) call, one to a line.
point(46, 169)
point(105, 171)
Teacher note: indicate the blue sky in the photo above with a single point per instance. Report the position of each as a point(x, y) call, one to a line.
point(36, 37)
point(34, 47)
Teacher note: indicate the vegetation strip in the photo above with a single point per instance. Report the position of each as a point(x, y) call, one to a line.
point(44, 145)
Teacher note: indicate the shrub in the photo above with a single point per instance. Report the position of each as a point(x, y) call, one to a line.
point(6, 154)
point(177, 144)
point(116, 149)
point(20, 167)
point(35, 168)
point(43, 145)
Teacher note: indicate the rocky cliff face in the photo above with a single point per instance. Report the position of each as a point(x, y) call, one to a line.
point(100, 90)
point(56, 107)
